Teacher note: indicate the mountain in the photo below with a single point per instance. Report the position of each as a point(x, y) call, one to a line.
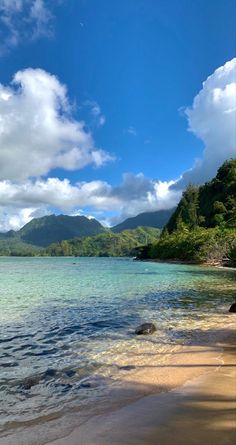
point(51, 229)
point(203, 227)
point(156, 219)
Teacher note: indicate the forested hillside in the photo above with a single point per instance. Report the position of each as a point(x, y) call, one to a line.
point(106, 244)
point(210, 205)
point(41, 232)
point(203, 227)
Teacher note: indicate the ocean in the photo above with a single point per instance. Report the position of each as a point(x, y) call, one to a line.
point(67, 331)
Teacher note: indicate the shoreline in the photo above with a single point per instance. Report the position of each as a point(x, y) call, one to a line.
point(154, 402)
point(202, 410)
point(217, 264)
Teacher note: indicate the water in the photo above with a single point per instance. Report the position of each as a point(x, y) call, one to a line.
point(67, 326)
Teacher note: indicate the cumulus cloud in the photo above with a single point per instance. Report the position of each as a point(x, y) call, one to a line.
point(23, 20)
point(37, 130)
point(40, 195)
point(12, 218)
point(212, 118)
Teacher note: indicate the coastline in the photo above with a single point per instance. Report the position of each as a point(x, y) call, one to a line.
point(216, 264)
point(192, 396)
point(200, 407)
point(148, 377)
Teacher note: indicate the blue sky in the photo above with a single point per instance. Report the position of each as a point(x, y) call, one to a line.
point(130, 68)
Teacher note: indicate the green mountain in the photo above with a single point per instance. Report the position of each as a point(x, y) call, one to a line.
point(51, 229)
point(41, 232)
point(156, 219)
point(203, 226)
point(106, 244)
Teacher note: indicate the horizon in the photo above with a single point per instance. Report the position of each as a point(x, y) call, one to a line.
point(88, 129)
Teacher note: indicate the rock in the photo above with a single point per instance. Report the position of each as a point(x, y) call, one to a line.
point(145, 329)
point(232, 308)
point(50, 372)
point(29, 382)
point(127, 367)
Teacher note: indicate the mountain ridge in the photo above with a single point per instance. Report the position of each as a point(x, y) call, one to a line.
point(157, 219)
point(43, 231)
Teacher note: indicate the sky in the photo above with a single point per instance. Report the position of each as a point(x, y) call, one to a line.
point(109, 109)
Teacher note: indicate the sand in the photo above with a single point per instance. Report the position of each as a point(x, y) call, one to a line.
point(187, 397)
point(200, 411)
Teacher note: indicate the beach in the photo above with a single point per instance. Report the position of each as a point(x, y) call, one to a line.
point(73, 370)
point(202, 411)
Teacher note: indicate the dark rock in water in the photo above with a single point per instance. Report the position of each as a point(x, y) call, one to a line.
point(145, 329)
point(232, 308)
point(50, 373)
point(29, 382)
point(127, 368)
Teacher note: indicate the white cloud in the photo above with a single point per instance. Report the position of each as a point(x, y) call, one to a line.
point(98, 118)
point(37, 130)
point(21, 201)
point(212, 118)
point(12, 218)
point(24, 20)
point(131, 130)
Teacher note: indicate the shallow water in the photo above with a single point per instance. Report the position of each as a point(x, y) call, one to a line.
point(67, 325)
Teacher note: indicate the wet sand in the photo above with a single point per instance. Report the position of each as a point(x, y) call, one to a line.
point(186, 397)
point(201, 411)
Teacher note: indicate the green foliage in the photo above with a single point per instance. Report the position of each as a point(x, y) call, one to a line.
point(50, 229)
point(105, 244)
point(211, 205)
point(187, 210)
point(15, 247)
point(217, 198)
point(203, 226)
point(197, 246)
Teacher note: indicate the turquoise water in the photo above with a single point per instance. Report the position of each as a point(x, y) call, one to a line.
point(67, 324)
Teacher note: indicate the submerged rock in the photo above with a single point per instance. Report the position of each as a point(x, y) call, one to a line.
point(232, 308)
point(29, 382)
point(50, 372)
point(145, 329)
point(127, 367)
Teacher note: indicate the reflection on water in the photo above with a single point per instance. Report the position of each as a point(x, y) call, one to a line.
point(67, 325)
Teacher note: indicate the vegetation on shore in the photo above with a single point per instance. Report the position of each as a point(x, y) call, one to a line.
point(203, 226)
point(106, 244)
point(103, 244)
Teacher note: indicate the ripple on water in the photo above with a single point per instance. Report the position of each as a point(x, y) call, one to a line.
point(67, 332)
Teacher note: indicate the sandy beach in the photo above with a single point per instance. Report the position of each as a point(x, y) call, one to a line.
point(201, 411)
